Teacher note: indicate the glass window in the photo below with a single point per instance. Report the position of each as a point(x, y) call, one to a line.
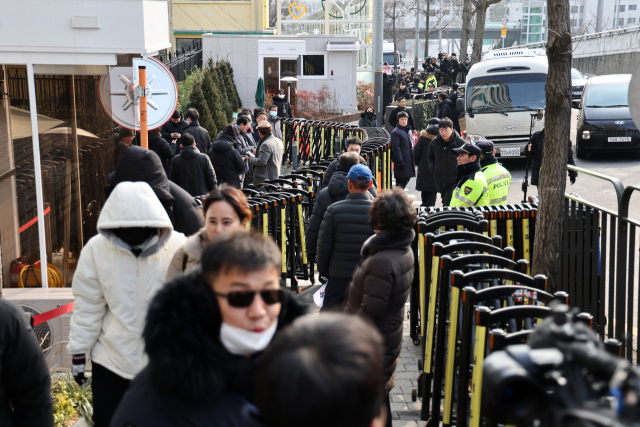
point(573, 22)
point(580, 21)
point(632, 7)
point(523, 39)
point(621, 22)
point(536, 10)
point(631, 21)
point(525, 21)
point(525, 10)
point(534, 38)
point(607, 96)
point(535, 20)
point(186, 44)
point(535, 28)
point(313, 65)
point(581, 9)
point(271, 75)
point(524, 29)
point(295, 28)
point(511, 92)
point(574, 9)
point(622, 7)
point(575, 74)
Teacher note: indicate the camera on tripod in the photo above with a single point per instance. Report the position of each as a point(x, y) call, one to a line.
point(563, 376)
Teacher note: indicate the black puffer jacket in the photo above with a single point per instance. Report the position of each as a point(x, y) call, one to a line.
point(25, 386)
point(191, 379)
point(200, 134)
point(139, 164)
point(445, 109)
point(393, 117)
point(380, 288)
point(333, 167)
point(425, 180)
point(192, 170)
point(168, 128)
point(158, 145)
point(345, 227)
point(368, 122)
point(537, 149)
point(402, 154)
point(226, 161)
point(284, 108)
point(443, 161)
point(337, 190)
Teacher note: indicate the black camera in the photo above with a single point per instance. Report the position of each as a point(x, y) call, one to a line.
point(563, 376)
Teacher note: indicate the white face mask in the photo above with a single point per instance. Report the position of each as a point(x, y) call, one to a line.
point(241, 342)
point(281, 96)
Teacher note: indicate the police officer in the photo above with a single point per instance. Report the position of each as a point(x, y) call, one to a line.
point(431, 80)
point(471, 187)
point(415, 88)
point(498, 178)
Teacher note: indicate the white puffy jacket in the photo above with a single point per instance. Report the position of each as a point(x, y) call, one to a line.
point(113, 287)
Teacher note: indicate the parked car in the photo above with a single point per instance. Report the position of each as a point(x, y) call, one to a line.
point(604, 122)
point(578, 80)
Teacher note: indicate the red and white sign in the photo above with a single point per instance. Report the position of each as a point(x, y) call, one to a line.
point(386, 69)
point(505, 22)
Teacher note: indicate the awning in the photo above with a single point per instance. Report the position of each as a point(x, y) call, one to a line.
point(21, 123)
point(343, 46)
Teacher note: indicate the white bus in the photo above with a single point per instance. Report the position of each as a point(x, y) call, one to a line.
point(501, 93)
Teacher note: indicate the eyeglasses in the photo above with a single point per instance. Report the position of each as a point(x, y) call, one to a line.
point(245, 298)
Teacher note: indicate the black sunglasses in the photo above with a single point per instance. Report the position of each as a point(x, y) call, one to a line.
point(245, 298)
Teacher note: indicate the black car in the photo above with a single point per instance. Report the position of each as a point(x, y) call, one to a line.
point(605, 123)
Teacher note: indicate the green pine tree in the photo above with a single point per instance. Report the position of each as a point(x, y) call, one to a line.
point(219, 82)
point(214, 100)
point(198, 102)
point(229, 70)
point(229, 87)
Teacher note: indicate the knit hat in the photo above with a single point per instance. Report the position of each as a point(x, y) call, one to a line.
point(433, 130)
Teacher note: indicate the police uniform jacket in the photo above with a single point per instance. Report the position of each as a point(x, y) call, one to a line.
point(498, 180)
point(471, 187)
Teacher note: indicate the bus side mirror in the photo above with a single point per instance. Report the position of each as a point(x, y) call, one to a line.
point(470, 111)
point(575, 104)
point(460, 104)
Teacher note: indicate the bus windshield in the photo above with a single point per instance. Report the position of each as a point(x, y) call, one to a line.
point(388, 58)
point(504, 93)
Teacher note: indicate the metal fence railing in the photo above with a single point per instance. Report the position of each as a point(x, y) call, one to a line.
point(183, 60)
point(600, 263)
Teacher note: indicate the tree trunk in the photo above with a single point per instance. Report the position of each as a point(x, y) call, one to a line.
point(466, 29)
point(481, 17)
point(553, 176)
point(426, 31)
point(395, 49)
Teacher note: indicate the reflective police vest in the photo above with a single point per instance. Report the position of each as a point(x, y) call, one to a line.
point(431, 80)
point(471, 191)
point(498, 182)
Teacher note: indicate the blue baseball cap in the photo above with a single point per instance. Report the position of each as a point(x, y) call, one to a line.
point(468, 148)
point(359, 173)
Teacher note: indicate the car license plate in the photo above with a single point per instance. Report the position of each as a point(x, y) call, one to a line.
point(510, 152)
point(619, 139)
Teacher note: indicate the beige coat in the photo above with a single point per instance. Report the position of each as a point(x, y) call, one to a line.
point(193, 248)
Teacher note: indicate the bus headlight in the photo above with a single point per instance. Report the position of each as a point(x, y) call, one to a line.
point(586, 134)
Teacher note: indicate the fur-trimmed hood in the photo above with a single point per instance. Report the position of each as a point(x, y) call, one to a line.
point(186, 357)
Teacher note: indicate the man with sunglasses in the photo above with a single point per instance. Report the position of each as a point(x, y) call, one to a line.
point(203, 335)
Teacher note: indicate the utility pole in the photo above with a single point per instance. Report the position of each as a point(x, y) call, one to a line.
point(599, 16)
point(617, 16)
point(416, 59)
point(378, 11)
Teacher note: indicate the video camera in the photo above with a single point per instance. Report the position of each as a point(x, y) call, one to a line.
point(564, 376)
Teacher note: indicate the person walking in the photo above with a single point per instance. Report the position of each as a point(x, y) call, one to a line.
point(454, 113)
point(444, 108)
point(382, 281)
point(200, 134)
point(275, 122)
point(368, 118)
point(337, 190)
point(401, 152)
point(387, 92)
point(345, 227)
point(227, 162)
point(346, 375)
point(535, 149)
point(403, 92)
point(204, 334)
point(442, 160)
point(464, 70)
point(121, 143)
point(118, 273)
point(284, 108)
point(244, 142)
point(267, 159)
point(224, 209)
point(454, 66)
point(191, 169)
point(393, 117)
point(161, 147)
point(471, 186)
point(174, 128)
point(25, 385)
point(497, 176)
point(425, 181)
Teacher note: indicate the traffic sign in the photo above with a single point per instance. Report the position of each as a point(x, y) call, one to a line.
point(505, 22)
point(504, 32)
point(120, 94)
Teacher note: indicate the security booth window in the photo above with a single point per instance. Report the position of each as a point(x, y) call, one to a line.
point(505, 93)
point(312, 65)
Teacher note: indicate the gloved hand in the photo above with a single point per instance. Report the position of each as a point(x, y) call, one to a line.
point(401, 165)
point(572, 179)
point(79, 362)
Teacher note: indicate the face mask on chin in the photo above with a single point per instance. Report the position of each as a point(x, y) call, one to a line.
point(242, 342)
point(281, 96)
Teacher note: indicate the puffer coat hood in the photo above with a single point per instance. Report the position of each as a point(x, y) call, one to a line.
point(113, 287)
